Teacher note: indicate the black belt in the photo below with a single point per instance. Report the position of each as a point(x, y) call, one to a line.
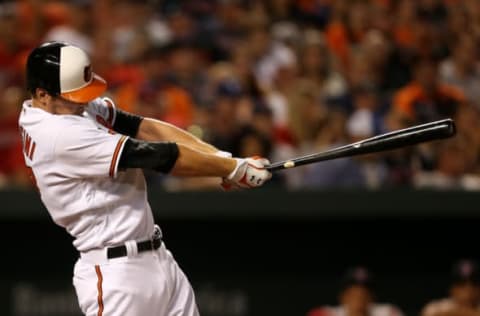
point(121, 251)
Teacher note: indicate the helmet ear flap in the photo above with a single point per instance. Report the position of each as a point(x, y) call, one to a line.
point(43, 68)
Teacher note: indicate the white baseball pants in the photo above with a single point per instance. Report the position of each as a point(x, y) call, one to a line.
point(148, 284)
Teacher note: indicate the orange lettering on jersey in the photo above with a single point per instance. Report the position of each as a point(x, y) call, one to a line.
point(28, 144)
point(30, 155)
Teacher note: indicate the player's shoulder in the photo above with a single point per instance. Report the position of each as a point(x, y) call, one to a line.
point(34, 118)
point(101, 103)
point(102, 110)
point(71, 121)
point(70, 125)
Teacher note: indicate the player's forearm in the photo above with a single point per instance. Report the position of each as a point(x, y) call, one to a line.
point(182, 160)
point(192, 162)
point(154, 130)
point(178, 159)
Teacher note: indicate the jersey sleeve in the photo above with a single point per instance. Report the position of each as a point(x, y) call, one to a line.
point(84, 150)
point(103, 111)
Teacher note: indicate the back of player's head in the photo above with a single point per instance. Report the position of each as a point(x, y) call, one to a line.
point(63, 70)
point(356, 276)
point(465, 271)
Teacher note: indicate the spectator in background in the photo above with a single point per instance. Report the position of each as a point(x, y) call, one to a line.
point(318, 65)
point(425, 98)
point(269, 57)
point(403, 26)
point(307, 113)
point(356, 298)
point(13, 47)
point(153, 93)
point(349, 22)
point(473, 15)
point(12, 166)
point(128, 32)
point(453, 167)
point(365, 122)
point(250, 140)
point(337, 173)
point(185, 69)
point(464, 293)
point(434, 11)
point(224, 125)
point(167, 102)
point(227, 29)
point(467, 121)
point(181, 23)
point(283, 84)
point(461, 69)
point(75, 26)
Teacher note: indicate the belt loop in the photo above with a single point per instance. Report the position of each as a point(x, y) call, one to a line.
point(132, 249)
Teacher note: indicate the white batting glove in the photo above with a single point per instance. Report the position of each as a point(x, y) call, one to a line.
point(223, 154)
point(249, 172)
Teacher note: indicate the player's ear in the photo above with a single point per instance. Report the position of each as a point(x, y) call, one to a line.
point(41, 94)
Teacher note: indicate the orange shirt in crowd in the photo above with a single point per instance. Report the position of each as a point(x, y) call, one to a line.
point(338, 41)
point(179, 109)
point(405, 99)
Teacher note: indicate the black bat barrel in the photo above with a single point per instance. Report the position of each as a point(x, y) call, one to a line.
point(392, 140)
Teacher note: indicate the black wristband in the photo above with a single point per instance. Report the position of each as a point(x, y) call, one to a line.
point(158, 156)
point(127, 123)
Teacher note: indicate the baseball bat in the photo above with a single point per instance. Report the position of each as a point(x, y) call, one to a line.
point(400, 138)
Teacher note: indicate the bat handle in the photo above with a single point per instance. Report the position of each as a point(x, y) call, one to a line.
point(279, 166)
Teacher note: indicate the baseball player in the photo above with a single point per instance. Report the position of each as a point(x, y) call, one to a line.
point(87, 157)
point(357, 298)
point(464, 293)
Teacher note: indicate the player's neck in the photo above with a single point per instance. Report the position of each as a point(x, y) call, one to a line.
point(56, 107)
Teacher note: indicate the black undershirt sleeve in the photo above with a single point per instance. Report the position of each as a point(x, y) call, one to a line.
point(126, 123)
point(158, 156)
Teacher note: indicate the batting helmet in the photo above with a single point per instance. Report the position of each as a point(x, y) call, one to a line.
point(63, 70)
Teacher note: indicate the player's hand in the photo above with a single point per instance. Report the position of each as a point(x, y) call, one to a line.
point(249, 173)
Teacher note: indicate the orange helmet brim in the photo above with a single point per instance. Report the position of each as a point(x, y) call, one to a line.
point(93, 90)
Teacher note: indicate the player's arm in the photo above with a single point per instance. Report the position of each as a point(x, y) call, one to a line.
point(148, 129)
point(155, 130)
point(86, 151)
point(106, 113)
point(186, 156)
point(182, 160)
point(170, 157)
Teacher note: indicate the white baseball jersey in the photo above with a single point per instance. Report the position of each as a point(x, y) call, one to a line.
point(74, 160)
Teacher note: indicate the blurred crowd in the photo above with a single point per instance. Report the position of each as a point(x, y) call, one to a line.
point(277, 78)
point(357, 295)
